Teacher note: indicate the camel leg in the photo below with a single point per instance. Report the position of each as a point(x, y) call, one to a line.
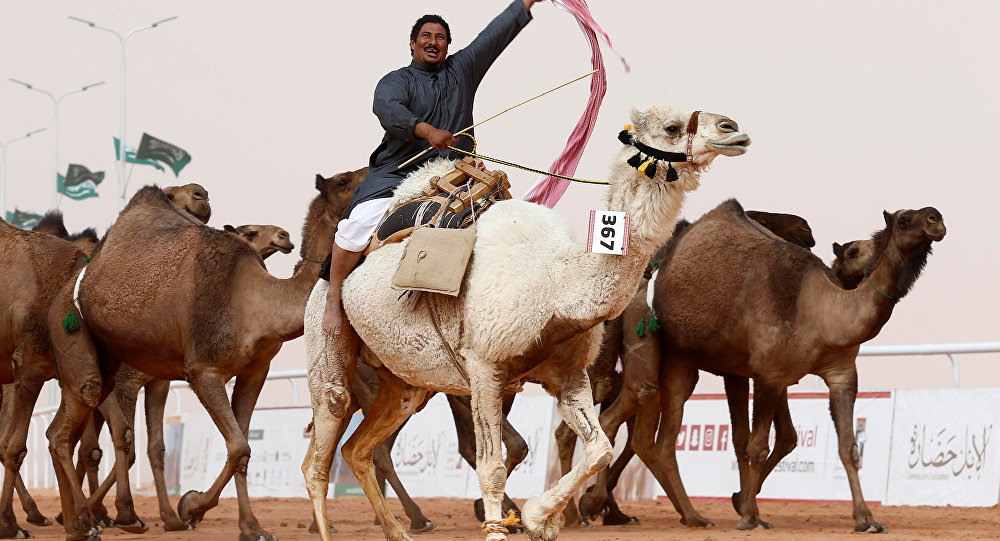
point(20, 399)
point(88, 461)
point(843, 393)
point(614, 515)
point(738, 397)
point(566, 446)
point(386, 472)
point(157, 392)
point(576, 406)
point(517, 449)
point(395, 402)
point(785, 438)
point(319, 458)
point(234, 423)
point(34, 516)
point(119, 410)
point(677, 382)
point(63, 434)
point(766, 398)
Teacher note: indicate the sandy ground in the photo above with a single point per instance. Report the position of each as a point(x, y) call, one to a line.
point(288, 518)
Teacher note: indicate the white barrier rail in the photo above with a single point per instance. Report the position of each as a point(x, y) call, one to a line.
point(37, 469)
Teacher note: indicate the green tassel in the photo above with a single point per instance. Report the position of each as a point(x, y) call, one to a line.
point(641, 328)
point(656, 264)
point(86, 260)
point(653, 324)
point(70, 323)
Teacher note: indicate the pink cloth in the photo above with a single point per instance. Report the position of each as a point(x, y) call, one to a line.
point(547, 190)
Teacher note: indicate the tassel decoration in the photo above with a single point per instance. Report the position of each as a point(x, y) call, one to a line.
point(653, 324)
point(671, 173)
point(70, 323)
point(636, 160)
point(648, 168)
point(640, 329)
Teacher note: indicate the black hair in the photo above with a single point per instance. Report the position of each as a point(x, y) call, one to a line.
point(429, 19)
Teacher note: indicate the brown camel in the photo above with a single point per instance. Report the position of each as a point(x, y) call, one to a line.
point(265, 239)
point(227, 318)
point(191, 197)
point(820, 327)
point(622, 340)
point(33, 268)
point(34, 371)
point(119, 410)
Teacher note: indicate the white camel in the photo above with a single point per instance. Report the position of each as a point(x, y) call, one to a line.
point(529, 310)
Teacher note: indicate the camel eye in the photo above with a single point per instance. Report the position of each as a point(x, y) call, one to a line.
point(805, 228)
point(282, 236)
point(932, 219)
point(728, 126)
point(672, 129)
point(852, 252)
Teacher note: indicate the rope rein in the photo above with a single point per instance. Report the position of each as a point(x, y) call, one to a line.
point(869, 280)
point(522, 167)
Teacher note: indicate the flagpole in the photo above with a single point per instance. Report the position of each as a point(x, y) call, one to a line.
point(55, 129)
point(3, 168)
point(122, 181)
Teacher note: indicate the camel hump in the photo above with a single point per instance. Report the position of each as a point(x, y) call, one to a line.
point(731, 207)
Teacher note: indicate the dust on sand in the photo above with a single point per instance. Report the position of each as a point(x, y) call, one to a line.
point(287, 518)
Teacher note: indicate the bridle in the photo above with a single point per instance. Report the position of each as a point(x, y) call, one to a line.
point(647, 166)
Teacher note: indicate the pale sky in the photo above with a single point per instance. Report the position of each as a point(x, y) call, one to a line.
point(853, 107)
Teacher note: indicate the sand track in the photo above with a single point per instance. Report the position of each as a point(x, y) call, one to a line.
point(287, 518)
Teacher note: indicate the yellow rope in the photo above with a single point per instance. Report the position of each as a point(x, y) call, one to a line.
point(522, 167)
point(499, 526)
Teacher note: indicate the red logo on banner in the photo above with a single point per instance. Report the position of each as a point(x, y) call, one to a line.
point(708, 439)
point(694, 440)
point(681, 438)
point(723, 438)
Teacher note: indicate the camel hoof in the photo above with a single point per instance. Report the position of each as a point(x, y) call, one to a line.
point(176, 526)
point(620, 520)
point(590, 506)
point(38, 519)
point(19, 534)
point(537, 525)
point(259, 535)
point(872, 527)
point(135, 527)
point(314, 529)
point(188, 509)
point(584, 523)
point(427, 526)
point(79, 536)
point(699, 521)
point(755, 524)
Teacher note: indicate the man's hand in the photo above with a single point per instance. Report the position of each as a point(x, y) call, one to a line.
point(439, 139)
point(529, 3)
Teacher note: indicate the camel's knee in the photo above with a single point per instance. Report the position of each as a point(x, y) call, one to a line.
point(90, 392)
point(646, 393)
point(785, 443)
point(13, 456)
point(517, 450)
point(492, 480)
point(757, 450)
point(599, 453)
point(239, 455)
point(849, 454)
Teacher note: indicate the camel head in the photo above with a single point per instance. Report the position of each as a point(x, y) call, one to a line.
point(193, 198)
point(85, 240)
point(266, 239)
point(790, 227)
point(693, 140)
point(910, 233)
point(851, 260)
point(52, 223)
point(338, 190)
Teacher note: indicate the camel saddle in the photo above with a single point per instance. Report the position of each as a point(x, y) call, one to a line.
point(453, 201)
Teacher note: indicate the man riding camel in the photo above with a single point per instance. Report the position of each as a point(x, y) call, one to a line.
point(420, 105)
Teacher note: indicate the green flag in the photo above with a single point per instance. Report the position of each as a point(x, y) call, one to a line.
point(79, 182)
point(151, 148)
point(130, 156)
point(22, 219)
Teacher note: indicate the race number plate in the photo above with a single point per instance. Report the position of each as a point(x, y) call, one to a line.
point(608, 232)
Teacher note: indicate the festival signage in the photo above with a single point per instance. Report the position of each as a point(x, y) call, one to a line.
point(812, 471)
point(944, 448)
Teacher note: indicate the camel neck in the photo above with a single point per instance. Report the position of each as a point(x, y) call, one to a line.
point(653, 206)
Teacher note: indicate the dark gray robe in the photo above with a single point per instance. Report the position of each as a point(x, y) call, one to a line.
point(442, 98)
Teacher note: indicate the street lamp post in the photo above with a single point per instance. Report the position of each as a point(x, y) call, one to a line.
point(3, 168)
point(55, 129)
point(121, 141)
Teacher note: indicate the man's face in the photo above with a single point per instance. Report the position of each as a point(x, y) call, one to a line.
point(431, 45)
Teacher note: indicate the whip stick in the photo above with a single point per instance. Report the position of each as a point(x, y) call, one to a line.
point(424, 151)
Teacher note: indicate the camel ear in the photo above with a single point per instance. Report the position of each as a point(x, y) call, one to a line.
point(638, 120)
point(838, 251)
point(229, 228)
point(888, 218)
point(320, 183)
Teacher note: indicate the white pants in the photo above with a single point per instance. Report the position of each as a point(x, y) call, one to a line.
point(354, 233)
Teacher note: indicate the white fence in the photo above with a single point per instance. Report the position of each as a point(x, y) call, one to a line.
point(37, 470)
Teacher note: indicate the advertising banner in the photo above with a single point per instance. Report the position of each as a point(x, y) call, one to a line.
point(943, 448)
point(813, 471)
